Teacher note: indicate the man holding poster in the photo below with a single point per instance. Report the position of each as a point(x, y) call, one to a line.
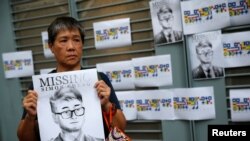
point(65, 39)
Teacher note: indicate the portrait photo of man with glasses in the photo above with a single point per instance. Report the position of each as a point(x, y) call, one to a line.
point(206, 68)
point(68, 112)
point(166, 20)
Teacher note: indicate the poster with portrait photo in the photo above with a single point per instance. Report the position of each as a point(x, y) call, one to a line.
point(166, 21)
point(204, 15)
point(239, 11)
point(206, 55)
point(69, 101)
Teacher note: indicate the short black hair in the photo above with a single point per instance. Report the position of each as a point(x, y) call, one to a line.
point(64, 23)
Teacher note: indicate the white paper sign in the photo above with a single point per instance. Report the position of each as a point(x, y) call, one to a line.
point(18, 64)
point(194, 103)
point(236, 48)
point(204, 15)
point(240, 105)
point(239, 11)
point(46, 51)
point(153, 71)
point(155, 104)
point(111, 34)
point(128, 104)
point(82, 81)
point(120, 74)
point(168, 104)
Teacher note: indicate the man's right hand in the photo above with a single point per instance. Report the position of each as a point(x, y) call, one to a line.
point(30, 104)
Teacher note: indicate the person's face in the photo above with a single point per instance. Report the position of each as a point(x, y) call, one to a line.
point(166, 19)
point(70, 107)
point(205, 54)
point(67, 47)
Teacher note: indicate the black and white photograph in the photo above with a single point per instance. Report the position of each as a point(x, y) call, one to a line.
point(68, 106)
point(166, 21)
point(206, 55)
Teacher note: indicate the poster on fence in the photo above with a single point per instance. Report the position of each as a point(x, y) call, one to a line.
point(168, 104)
point(112, 34)
point(128, 104)
point(18, 64)
point(239, 11)
point(195, 103)
point(240, 105)
point(46, 50)
point(166, 21)
point(120, 74)
point(206, 15)
point(153, 71)
point(236, 48)
point(206, 55)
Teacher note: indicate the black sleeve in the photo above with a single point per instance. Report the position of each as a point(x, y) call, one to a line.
point(113, 98)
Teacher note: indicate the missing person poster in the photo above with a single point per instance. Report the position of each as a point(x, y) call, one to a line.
point(204, 15)
point(236, 48)
point(166, 21)
point(206, 55)
point(112, 34)
point(67, 102)
point(18, 64)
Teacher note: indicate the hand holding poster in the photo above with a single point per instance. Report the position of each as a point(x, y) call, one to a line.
point(66, 102)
